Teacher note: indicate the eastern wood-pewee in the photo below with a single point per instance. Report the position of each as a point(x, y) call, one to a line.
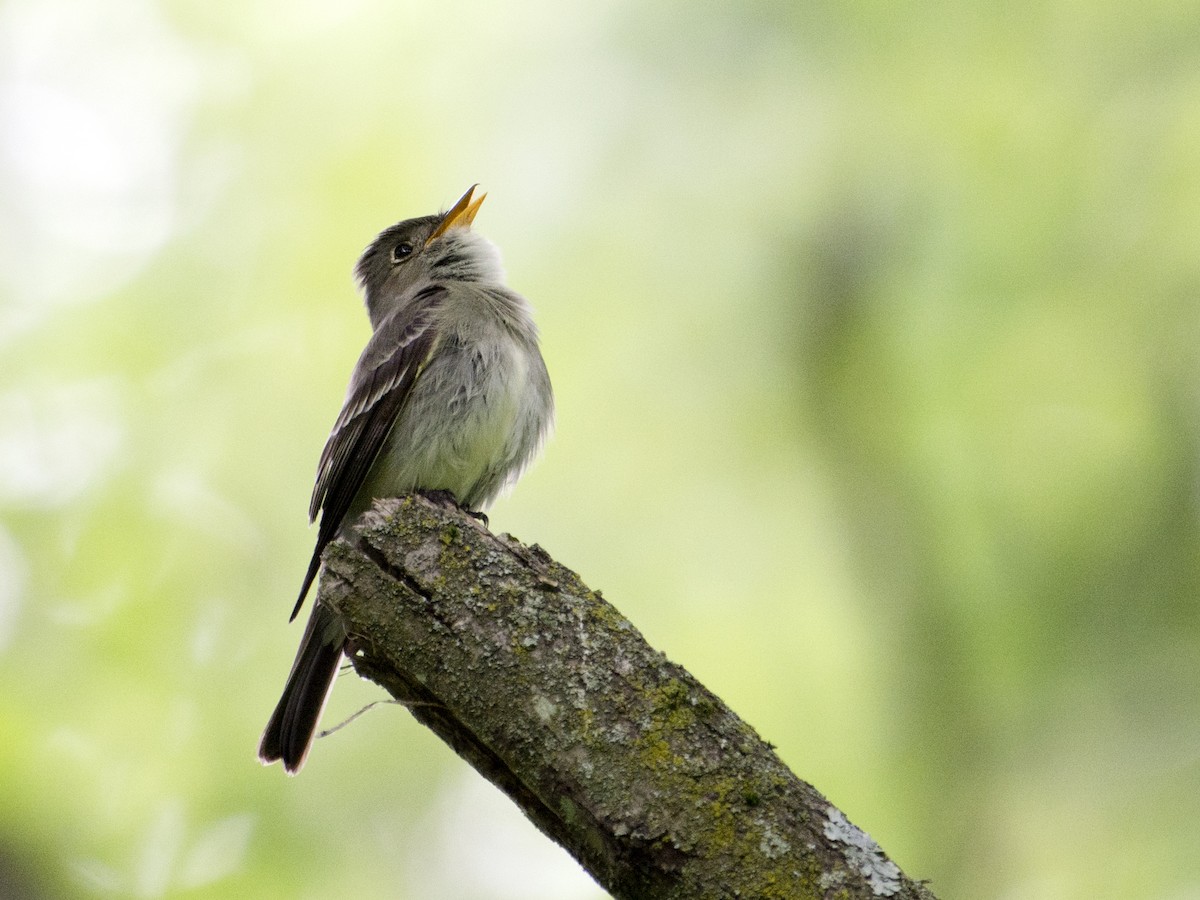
point(450, 394)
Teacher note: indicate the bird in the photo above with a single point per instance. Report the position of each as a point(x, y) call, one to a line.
point(450, 396)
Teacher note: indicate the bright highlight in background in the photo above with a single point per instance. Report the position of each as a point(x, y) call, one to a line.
point(873, 342)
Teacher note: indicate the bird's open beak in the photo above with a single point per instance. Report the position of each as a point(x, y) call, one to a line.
point(461, 215)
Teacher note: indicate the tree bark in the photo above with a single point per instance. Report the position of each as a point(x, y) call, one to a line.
point(613, 751)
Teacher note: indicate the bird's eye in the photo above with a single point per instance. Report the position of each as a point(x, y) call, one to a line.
point(401, 252)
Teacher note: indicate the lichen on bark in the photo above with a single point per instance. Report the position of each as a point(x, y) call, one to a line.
point(619, 755)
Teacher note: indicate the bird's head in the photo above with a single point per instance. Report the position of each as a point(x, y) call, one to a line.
point(418, 252)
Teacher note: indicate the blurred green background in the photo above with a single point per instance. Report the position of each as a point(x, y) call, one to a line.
point(873, 331)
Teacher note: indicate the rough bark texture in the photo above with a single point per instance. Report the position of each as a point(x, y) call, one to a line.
point(613, 751)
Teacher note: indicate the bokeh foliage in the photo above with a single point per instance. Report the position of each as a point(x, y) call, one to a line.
point(873, 333)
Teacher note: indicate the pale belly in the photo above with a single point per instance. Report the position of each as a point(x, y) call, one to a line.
point(459, 432)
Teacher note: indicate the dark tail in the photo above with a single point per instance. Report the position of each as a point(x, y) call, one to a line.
point(314, 566)
point(290, 732)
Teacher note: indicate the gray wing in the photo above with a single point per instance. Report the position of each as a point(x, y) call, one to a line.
point(379, 387)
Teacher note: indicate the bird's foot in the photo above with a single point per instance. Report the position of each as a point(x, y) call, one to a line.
point(442, 498)
point(449, 501)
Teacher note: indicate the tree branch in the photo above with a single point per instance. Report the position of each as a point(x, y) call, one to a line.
point(619, 755)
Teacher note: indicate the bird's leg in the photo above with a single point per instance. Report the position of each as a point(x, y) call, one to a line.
point(448, 500)
point(442, 498)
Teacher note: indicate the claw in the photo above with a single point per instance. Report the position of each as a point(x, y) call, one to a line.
point(446, 499)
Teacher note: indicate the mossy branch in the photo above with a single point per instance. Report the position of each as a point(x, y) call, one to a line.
point(619, 755)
